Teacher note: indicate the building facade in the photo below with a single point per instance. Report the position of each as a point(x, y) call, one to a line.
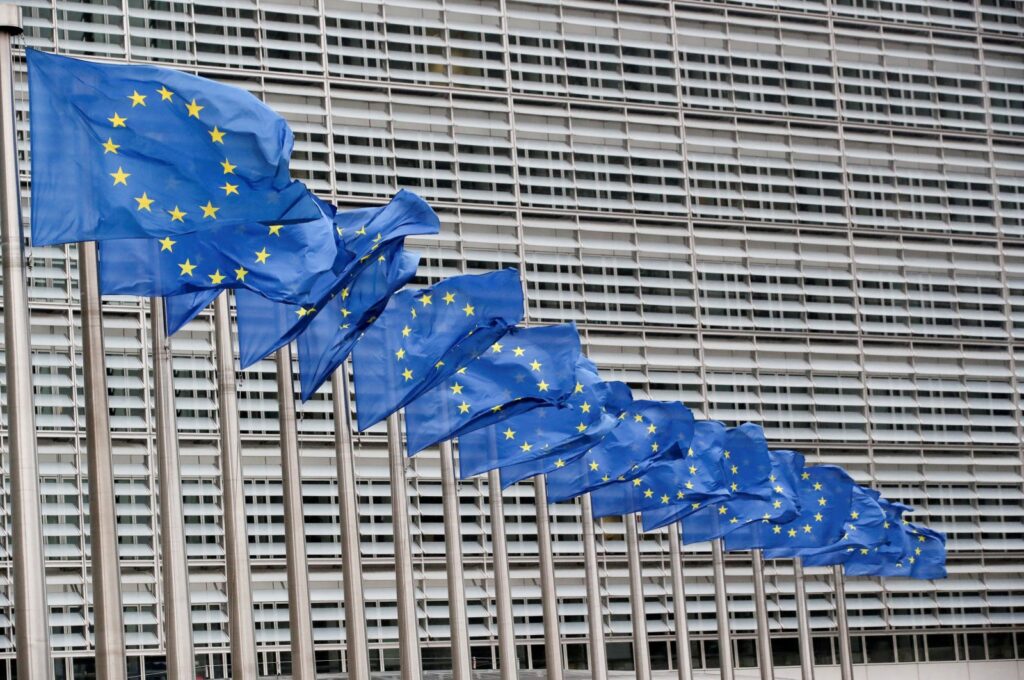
point(803, 213)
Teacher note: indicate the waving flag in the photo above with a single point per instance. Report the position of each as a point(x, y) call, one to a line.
point(129, 151)
point(863, 530)
point(881, 560)
point(647, 429)
point(547, 432)
point(526, 368)
point(423, 336)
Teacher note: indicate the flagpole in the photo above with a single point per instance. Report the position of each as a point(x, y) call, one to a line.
point(173, 550)
point(684, 662)
point(641, 647)
point(356, 645)
point(453, 564)
point(548, 593)
point(842, 623)
point(507, 657)
point(408, 626)
point(241, 633)
point(300, 607)
point(106, 570)
point(803, 621)
point(722, 611)
point(765, 662)
point(31, 626)
point(595, 608)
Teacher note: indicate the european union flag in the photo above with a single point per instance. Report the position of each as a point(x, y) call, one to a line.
point(864, 530)
point(647, 430)
point(548, 431)
point(128, 151)
point(676, 480)
point(279, 261)
point(423, 336)
point(362, 235)
point(826, 496)
point(526, 368)
point(927, 557)
point(882, 559)
point(330, 336)
point(754, 479)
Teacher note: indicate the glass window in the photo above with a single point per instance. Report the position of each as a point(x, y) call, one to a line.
point(941, 648)
point(880, 649)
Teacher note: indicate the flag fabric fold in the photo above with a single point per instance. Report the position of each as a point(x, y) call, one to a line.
point(863, 531)
point(524, 369)
point(132, 151)
point(423, 336)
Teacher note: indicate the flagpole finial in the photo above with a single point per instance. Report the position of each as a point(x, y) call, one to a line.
point(10, 19)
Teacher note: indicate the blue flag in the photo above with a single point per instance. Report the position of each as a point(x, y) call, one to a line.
point(526, 368)
point(646, 429)
point(423, 336)
point(180, 309)
point(547, 432)
point(882, 559)
point(760, 483)
point(825, 496)
point(362, 235)
point(332, 333)
point(927, 557)
point(280, 261)
point(864, 530)
point(129, 151)
point(674, 481)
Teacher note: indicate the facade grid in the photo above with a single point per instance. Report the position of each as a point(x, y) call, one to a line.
point(803, 213)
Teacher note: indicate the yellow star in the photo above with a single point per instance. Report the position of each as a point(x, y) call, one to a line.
point(406, 331)
point(818, 517)
point(664, 500)
point(727, 455)
point(821, 502)
point(461, 371)
point(695, 506)
point(776, 529)
point(594, 465)
point(240, 273)
point(407, 374)
point(735, 470)
point(605, 478)
point(791, 533)
point(526, 447)
point(778, 489)
point(585, 407)
point(776, 504)
point(118, 121)
point(637, 418)
point(449, 298)
point(559, 463)
point(806, 475)
point(144, 202)
point(216, 278)
point(275, 229)
point(651, 429)
point(187, 268)
point(194, 109)
point(426, 299)
point(535, 365)
point(693, 469)
point(637, 481)
point(209, 210)
point(229, 169)
point(509, 433)
point(734, 487)
point(469, 309)
point(649, 493)
point(301, 312)
point(216, 135)
point(400, 353)
point(497, 347)
point(361, 231)
point(579, 388)
point(344, 293)
point(230, 188)
point(110, 147)
point(734, 520)
point(654, 447)
point(167, 244)
point(807, 528)
point(689, 486)
point(581, 428)
point(463, 407)
point(722, 510)
point(177, 215)
point(137, 99)
point(518, 351)
point(120, 177)
point(680, 495)
point(854, 515)
point(542, 386)
point(165, 94)
point(817, 486)
point(456, 388)
point(261, 256)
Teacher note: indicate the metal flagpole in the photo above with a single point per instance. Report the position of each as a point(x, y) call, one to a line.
point(453, 564)
point(722, 611)
point(502, 582)
point(408, 626)
point(31, 629)
point(641, 647)
point(764, 638)
point(106, 571)
point(300, 607)
point(548, 594)
point(173, 553)
point(356, 644)
point(595, 609)
point(236, 541)
point(803, 621)
point(684, 661)
point(842, 623)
